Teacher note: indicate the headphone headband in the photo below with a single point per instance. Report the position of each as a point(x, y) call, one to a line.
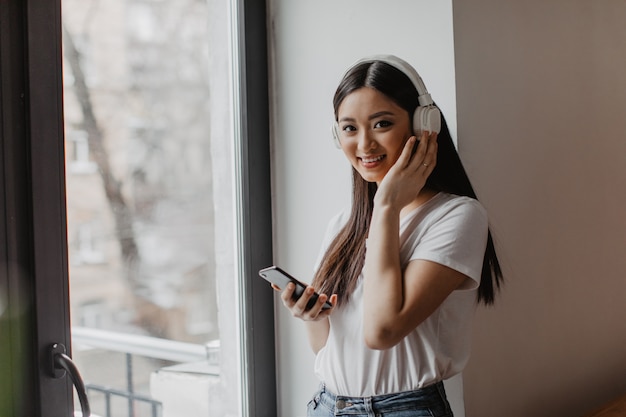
point(426, 116)
point(408, 70)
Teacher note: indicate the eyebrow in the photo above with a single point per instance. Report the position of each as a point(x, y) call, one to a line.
point(371, 117)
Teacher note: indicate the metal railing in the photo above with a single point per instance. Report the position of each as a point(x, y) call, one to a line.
point(136, 345)
point(156, 407)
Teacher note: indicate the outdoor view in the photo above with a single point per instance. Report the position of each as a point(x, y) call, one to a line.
point(150, 206)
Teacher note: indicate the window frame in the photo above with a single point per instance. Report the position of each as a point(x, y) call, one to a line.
point(259, 395)
point(33, 224)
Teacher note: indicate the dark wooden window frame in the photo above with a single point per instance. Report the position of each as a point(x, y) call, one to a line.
point(33, 242)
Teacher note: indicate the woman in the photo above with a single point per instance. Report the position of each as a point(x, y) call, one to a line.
point(406, 265)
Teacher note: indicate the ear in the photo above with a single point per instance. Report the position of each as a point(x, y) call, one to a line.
point(335, 132)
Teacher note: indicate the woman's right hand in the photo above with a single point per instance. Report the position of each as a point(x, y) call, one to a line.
point(298, 307)
point(408, 175)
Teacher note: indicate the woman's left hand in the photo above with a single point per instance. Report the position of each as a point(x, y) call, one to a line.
point(408, 175)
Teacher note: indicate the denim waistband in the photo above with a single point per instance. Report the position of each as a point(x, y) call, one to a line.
point(432, 397)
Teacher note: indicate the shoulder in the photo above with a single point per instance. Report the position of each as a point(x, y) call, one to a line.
point(454, 207)
point(450, 221)
point(459, 202)
point(454, 234)
point(335, 224)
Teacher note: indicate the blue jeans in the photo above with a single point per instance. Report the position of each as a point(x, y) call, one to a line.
point(428, 401)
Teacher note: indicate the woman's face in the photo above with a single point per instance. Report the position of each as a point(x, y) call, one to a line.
point(372, 131)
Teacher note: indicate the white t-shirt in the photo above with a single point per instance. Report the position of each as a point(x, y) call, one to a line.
point(449, 230)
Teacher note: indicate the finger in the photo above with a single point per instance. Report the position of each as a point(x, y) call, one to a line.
point(423, 146)
point(333, 300)
point(321, 300)
point(420, 154)
point(314, 311)
point(328, 311)
point(430, 157)
point(287, 295)
point(413, 150)
point(303, 301)
point(409, 149)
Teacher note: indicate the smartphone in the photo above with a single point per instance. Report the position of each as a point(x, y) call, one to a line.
point(280, 278)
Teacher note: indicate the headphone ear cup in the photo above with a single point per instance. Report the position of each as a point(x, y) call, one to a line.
point(426, 118)
point(335, 132)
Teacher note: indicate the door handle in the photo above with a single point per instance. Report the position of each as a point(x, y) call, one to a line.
point(62, 364)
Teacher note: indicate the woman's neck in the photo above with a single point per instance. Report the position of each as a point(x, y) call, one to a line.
point(423, 197)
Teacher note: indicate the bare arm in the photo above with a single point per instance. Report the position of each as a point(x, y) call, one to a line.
point(318, 333)
point(397, 301)
point(395, 304)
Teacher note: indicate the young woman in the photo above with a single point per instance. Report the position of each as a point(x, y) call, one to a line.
point(405, 266)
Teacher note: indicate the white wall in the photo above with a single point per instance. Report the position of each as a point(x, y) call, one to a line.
point(312, 43)
point(541, 93)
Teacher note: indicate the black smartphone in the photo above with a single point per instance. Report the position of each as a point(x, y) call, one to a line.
point(280, 278)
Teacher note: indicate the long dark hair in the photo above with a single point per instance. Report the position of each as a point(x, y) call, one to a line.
point(343, 261)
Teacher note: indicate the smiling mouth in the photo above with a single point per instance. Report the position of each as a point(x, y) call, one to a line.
point(372, 160)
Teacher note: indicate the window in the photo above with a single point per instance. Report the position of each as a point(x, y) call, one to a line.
point(79, 161)
point(160, 121)
point(87, 250)
point(34, 139)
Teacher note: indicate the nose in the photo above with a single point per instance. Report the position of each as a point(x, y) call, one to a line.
point(366, 141)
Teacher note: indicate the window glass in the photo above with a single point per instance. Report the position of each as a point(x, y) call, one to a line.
point(151, 224)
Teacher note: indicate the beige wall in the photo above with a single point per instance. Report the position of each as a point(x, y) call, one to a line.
point(541, 116)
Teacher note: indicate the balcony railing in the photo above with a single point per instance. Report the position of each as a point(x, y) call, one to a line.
point(150, 347)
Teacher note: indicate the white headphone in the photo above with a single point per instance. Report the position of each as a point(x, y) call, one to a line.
point(426, 117)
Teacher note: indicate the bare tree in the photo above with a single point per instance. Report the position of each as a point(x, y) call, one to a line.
point(122, 213)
